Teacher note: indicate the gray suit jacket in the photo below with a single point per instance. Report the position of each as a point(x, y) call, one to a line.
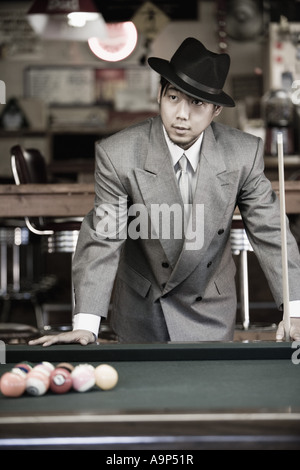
point(162, 290)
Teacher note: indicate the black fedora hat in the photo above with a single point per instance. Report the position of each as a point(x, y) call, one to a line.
point(196, 71)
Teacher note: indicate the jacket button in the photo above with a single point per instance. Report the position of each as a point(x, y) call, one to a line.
point(220, 231)
point(198, 299)
point(165, 264)
point(209, 264)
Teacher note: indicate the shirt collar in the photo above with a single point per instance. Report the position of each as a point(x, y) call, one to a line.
point(192, 154)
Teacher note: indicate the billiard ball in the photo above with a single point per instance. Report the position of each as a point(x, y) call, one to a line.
point(13, 384)
point(106, 376)
point(37, 383)
point(24, 366)
point(65, 365)
point(18, 371)
point(83, 377)
point(46, 366)
point(60, 380)
point(38, 380)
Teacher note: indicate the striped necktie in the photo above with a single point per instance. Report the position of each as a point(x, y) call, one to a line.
point(184, 185)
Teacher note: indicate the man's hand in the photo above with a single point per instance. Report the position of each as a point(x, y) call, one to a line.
point(83, 337)
point(294, 330)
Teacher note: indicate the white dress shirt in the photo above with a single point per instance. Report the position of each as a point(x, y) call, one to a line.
point(193, 156)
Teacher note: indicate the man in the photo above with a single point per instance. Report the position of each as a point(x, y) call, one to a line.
point(169, 286)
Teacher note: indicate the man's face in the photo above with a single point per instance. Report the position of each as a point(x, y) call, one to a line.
point(185, 117)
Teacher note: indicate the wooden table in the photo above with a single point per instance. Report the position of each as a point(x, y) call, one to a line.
point(64, 200)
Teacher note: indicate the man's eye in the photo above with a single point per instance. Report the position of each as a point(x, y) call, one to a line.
point(198, 102)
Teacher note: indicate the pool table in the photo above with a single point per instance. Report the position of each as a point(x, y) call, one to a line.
point(187, 396)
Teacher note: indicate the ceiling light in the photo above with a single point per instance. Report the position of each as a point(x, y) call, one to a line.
point(76, 20)
point(118, 44)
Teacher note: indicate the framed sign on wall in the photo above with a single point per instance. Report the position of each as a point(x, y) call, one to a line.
point(61, 86)
point(118, 87)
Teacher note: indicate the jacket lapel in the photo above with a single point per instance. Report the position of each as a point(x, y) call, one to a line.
point(158, 185)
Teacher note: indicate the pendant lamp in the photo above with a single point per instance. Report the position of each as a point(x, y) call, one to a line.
point(73, 20)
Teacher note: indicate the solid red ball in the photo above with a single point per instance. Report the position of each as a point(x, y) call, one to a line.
point(12, 385)
point(60, 380)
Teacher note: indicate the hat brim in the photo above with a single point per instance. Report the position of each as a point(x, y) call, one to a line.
point(164, 68)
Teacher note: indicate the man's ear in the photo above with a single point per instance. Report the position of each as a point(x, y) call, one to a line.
point(159, 94)
point(218, 110)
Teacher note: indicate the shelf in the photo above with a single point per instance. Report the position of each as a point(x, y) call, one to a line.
point(289, 161)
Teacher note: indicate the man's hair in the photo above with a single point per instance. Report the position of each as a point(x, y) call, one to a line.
point(164, 86)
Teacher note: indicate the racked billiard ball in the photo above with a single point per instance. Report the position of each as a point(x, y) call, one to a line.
point(60, 380)
point(83, 377)
point(13, 384)
point(106, 376)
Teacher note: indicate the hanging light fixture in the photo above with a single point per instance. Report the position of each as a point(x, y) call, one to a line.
point(120, 42)
point(76, 20)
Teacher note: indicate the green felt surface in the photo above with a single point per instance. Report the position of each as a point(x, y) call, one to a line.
point(178, 385)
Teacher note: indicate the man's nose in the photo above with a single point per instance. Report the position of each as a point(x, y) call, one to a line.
point(183, 110)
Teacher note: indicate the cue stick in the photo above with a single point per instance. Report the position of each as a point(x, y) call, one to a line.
point(285, 279)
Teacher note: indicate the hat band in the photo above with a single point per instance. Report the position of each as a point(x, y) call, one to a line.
point(199, 86)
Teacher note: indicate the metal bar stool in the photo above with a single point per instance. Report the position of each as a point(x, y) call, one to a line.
point(59, 235)
point(20, 278)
